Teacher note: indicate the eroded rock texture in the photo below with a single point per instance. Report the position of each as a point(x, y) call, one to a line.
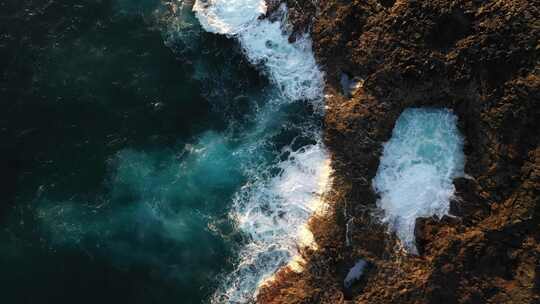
point(480, 58)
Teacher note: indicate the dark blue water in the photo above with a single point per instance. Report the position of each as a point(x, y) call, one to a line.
point(127, 133)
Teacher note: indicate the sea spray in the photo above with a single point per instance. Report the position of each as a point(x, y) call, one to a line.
point(417, 168)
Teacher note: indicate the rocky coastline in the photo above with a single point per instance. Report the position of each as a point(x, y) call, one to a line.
point(478, 58)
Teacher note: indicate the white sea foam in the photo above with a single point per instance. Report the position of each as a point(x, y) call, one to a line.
point(272, 209)
point(228, 16)
point(417, 168)
point(273, 212)
point(291, 66)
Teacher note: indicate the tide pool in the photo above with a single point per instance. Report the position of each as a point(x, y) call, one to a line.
point(417, 169)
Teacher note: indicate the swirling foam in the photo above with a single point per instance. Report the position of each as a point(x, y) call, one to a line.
point(417, 168)
point(272, 209)
point(272, 213)
point(291, 66)
point(228, 17)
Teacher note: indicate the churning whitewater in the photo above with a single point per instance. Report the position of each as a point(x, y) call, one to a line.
point(290, 66)
point(419, 163)
point(272, 209)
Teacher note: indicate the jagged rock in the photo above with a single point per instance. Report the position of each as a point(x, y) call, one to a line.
point(480, 59)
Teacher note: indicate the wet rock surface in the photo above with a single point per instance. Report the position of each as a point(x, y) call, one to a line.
point(478, 58)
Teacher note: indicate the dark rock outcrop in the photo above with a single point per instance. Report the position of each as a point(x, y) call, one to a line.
point(479, 58)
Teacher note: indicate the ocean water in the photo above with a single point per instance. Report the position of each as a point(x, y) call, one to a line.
point(417, 169)
point(153, 153)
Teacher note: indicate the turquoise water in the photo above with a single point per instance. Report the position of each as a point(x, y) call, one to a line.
point(131, 138)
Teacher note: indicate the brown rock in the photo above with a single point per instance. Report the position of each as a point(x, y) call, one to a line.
point(479, 58)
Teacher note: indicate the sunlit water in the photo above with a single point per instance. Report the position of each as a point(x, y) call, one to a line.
point(417, 169)
point(160, 161)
